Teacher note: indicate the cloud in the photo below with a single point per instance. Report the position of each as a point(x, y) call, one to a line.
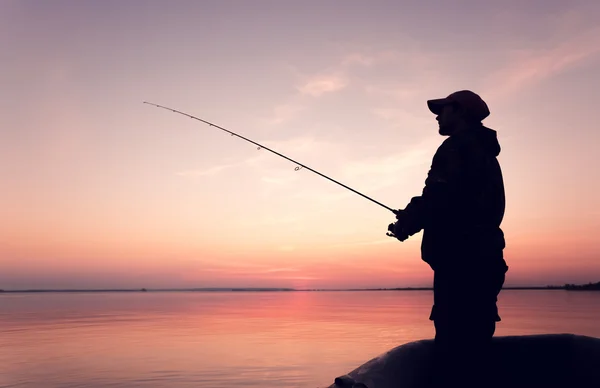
point(207, 171)
point(373, 172)
point(530, 67)
point(387, 165)
point(301, 147)
point(297, 148)
point(362, 243)
point(336, 78)
point(358, 59)
point(403, 92)
point(268, 221)
point(300, 278)
point(384, 171)
point(320, 84)
point(283, 113)
point(404, 117)
point(285, 269)
point(279, 180)
point(381, 57)
point(315, 195)
point(248, 269)
point(368, 175)
point(214, 170)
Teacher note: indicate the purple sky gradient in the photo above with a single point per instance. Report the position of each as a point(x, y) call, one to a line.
point(100, 187)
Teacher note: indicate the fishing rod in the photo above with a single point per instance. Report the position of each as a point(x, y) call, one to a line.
point(260, 146)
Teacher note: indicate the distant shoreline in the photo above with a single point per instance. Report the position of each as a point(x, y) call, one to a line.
point(567, 287)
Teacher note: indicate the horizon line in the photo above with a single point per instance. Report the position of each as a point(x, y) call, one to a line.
point(259, 289)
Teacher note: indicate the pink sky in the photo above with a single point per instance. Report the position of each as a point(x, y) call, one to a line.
point(101, 190)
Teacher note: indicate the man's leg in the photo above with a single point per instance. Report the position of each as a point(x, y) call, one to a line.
point(464, 318)
point(462, 355)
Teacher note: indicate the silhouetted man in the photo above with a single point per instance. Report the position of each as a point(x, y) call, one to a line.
point(460, 212)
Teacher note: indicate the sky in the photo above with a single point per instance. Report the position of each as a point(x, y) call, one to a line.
point(99, 190)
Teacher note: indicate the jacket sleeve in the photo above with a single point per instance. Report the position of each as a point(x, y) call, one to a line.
point(441, 189)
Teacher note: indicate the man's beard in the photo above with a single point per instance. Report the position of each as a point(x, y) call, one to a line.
point(445, 130)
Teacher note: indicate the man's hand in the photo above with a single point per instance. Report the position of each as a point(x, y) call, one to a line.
point(399, 229)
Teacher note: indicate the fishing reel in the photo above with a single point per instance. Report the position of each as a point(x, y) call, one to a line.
point(391, 229)
point(399, 228)
point(399, 234)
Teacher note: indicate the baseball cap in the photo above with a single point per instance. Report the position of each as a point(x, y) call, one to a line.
point(469, 101)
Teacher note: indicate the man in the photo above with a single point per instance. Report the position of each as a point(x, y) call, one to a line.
point(460, 212)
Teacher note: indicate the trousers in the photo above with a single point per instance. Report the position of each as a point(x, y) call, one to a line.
point(465, 314)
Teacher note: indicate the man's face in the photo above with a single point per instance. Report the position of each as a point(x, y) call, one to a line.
point(448, 120)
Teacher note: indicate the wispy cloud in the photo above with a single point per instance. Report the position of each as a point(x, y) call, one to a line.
point(373, 172)
point(370, 59)
point(336, 77)
point(384, 171)
point(300, 278)
point(358, 59)
point(315, 195)
point(362, 243)
point(318, 85)
point(386, 165)
point(283, 113)
point(280, 180)
point(268, 221)
point(248, 269)
point(207, 171)
point(297, 148)
point(300, 147)
point(412, 56)
point(284, 269)
point(402, 92)
point(217, 169)
point(530, 67)
point(402, 116)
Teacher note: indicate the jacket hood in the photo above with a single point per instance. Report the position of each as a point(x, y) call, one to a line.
point(488, 139)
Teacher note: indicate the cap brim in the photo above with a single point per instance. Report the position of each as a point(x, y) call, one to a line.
point(436, 106)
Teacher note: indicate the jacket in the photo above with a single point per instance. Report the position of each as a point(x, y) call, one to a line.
point(462, 204)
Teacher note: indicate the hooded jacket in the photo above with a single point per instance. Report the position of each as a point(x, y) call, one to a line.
point(462, 204)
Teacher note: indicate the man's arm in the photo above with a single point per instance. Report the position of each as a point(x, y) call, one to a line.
point(440, 192)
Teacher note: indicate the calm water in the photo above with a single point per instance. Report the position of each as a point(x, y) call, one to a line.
point(296, 339)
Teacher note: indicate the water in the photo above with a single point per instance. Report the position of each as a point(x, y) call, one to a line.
point(252, 339)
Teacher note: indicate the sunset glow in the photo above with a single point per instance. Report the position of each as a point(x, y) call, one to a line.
point(99, 190)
